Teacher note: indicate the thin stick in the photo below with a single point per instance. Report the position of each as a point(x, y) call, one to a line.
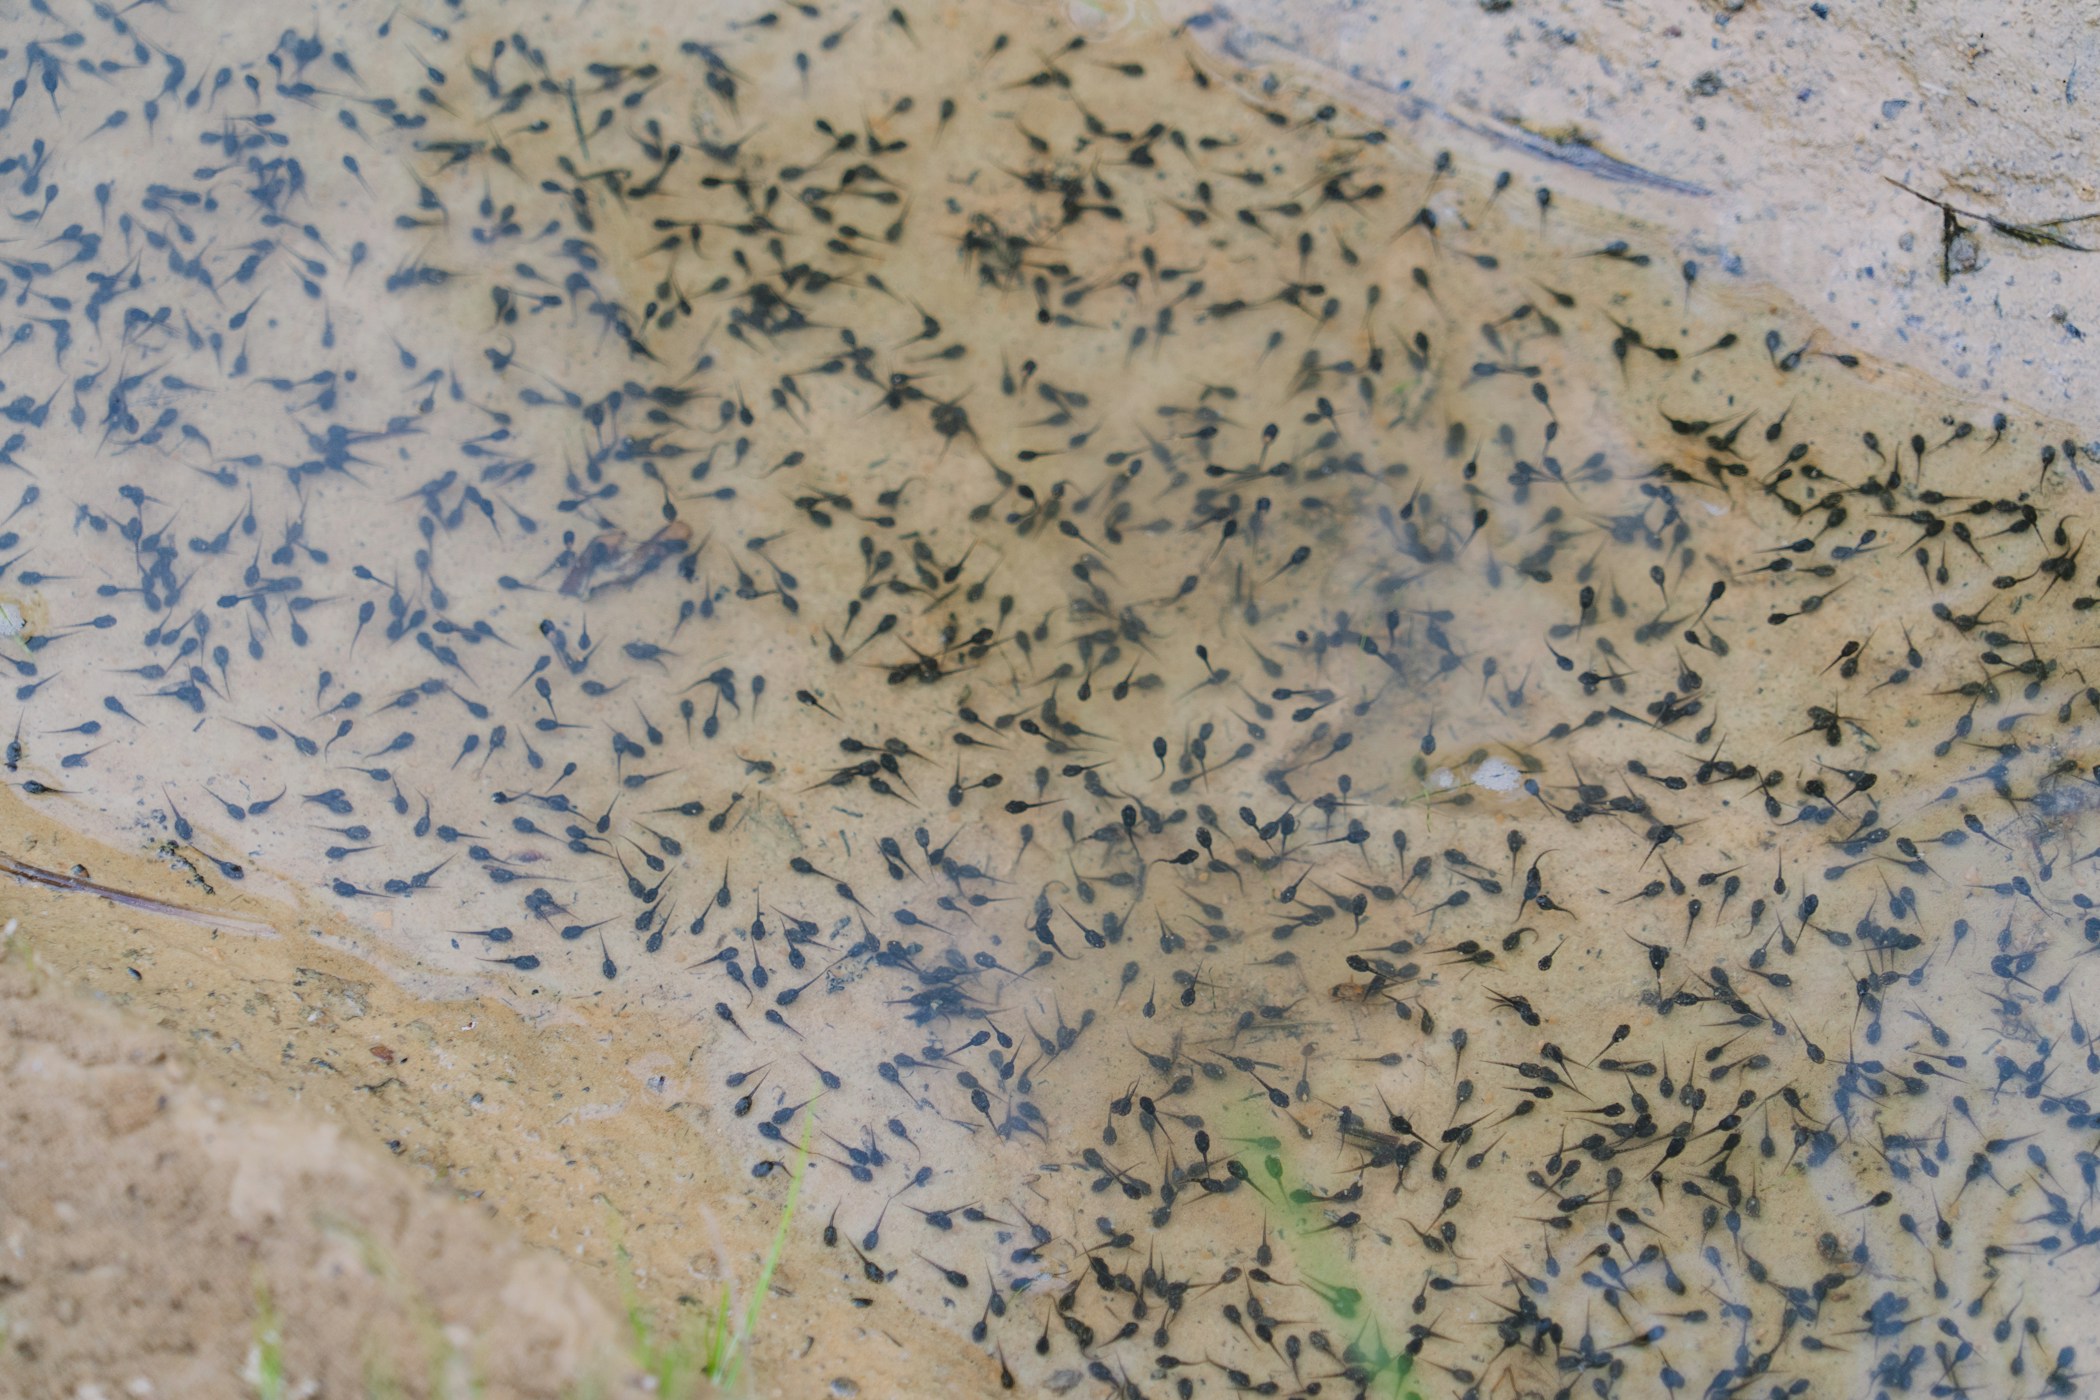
point(73, 884)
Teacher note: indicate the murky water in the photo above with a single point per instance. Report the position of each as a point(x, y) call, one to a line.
point(1303, 768)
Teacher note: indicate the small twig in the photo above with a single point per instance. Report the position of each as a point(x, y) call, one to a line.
point(74, 884)
point(2036, 233)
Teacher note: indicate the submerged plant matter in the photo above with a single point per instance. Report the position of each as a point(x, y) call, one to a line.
point(1200, 694)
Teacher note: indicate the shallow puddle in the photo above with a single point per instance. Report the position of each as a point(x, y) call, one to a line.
point(1298, 766)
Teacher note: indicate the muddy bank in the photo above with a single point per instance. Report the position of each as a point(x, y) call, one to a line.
point(163, 1235)
point(433, 1195)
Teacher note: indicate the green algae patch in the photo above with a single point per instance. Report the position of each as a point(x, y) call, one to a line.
point(1322, 1255)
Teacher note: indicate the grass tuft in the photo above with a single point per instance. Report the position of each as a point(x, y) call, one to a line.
point(265, 1369)
point(710, 1343)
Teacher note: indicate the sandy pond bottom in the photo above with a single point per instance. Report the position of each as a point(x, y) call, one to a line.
point(1298, 765)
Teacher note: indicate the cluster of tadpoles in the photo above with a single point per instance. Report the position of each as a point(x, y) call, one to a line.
point(1336, 787)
